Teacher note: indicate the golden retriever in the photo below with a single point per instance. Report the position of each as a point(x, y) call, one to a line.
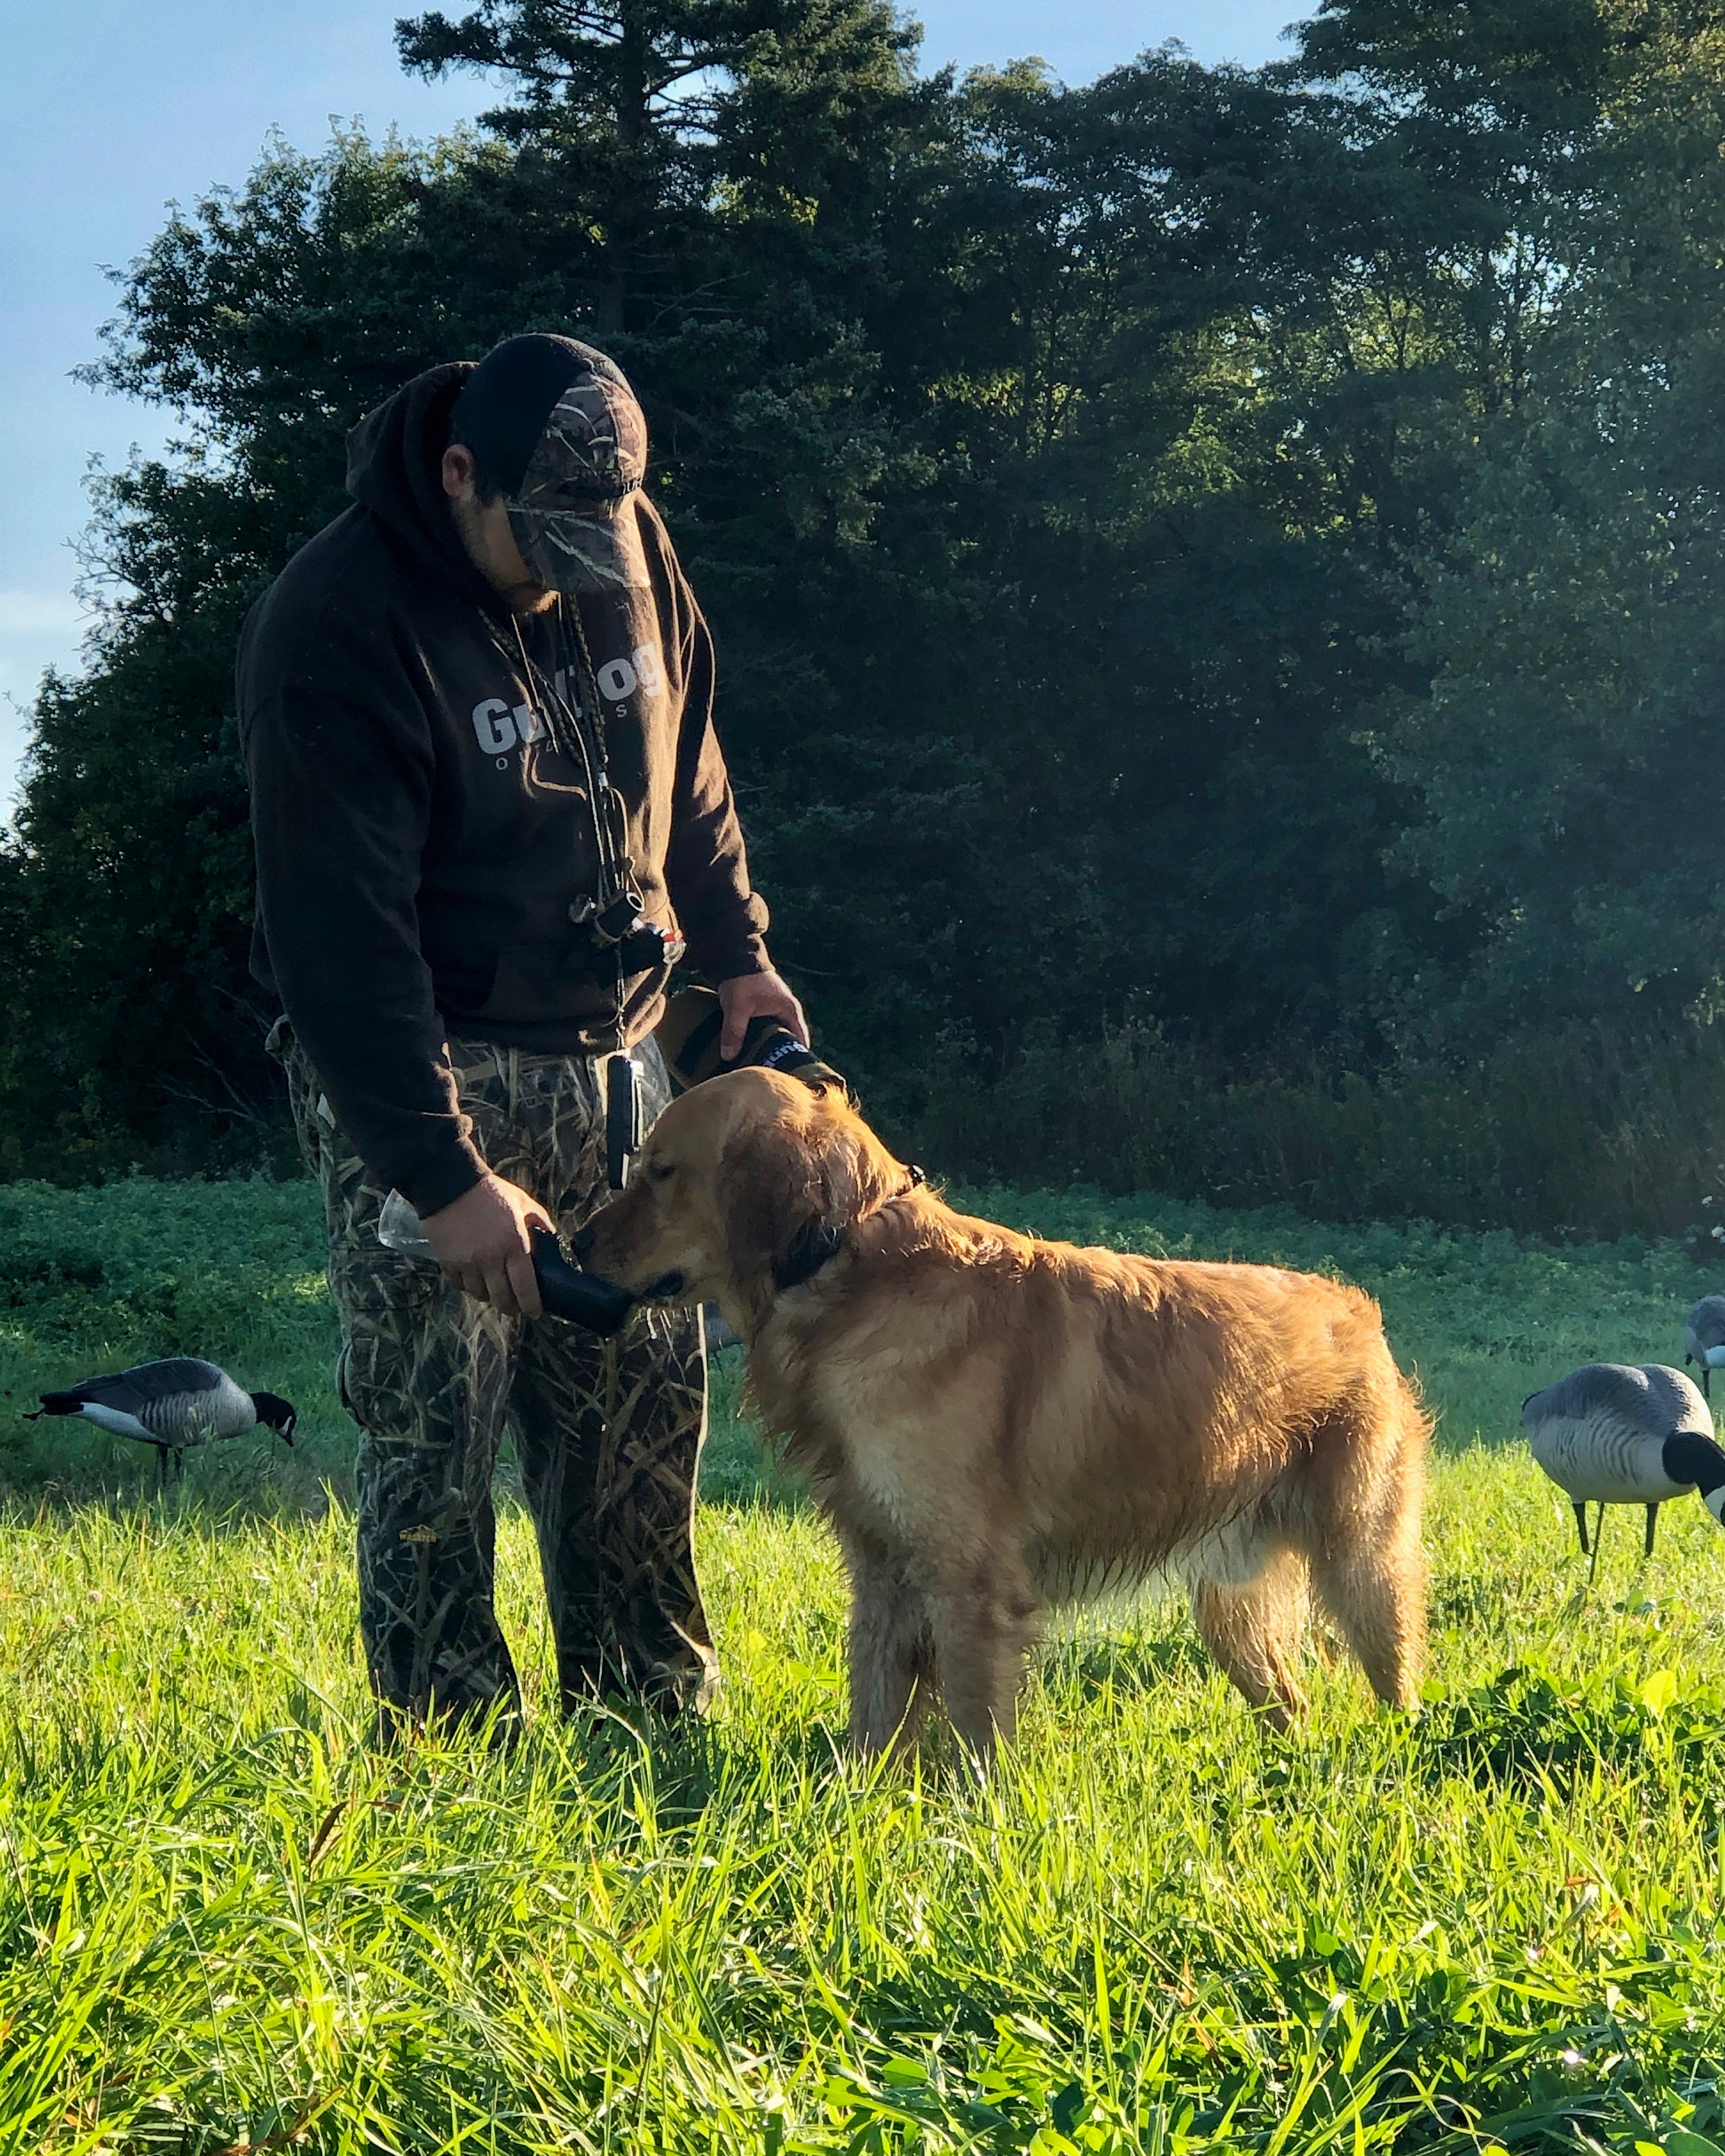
point(995, 1424)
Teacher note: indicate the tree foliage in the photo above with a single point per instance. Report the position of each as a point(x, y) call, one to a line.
point(1231, 547)
point(1571, 631)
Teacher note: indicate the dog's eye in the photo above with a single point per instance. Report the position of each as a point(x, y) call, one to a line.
point(660, 1172)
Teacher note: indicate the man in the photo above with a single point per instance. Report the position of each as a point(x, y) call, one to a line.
point(488, 802)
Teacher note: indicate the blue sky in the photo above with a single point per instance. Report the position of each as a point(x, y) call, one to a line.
point(110, 110)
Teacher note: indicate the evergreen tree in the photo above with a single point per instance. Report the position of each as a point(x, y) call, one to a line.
point(648, 113)
point(1567, 755)
point(1114, 506)
point(129, 1028)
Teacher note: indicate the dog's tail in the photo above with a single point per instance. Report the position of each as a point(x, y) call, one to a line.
point(1368, 1566)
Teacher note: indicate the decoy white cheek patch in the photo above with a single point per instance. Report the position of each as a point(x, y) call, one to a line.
point(1714, 1503)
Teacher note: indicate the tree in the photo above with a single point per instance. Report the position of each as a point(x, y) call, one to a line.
point(648, 111)
point(1102, 497)
point(1567, 757)
point(270, 320)
point(130, 1027)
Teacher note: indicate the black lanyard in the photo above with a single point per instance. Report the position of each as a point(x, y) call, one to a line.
point(617, 894)
point(565, 715)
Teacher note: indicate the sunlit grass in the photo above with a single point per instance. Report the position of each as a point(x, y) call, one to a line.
point(225, 1924)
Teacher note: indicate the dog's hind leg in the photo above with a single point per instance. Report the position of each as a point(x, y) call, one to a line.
point(892, 1671)
point(1254, 1633)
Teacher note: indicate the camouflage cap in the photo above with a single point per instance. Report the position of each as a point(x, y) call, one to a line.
point(574, 515)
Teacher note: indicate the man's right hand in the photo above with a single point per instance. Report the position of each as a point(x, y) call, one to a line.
point(482, 1242)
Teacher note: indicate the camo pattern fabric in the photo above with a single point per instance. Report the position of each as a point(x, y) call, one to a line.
point(573, 514)
point(607, 1432)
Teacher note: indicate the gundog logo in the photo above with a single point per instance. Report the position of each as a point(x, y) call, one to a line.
point(498, 725)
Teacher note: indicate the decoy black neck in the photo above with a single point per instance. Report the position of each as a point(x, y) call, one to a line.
point(1689, 1457)
point(277, 1413)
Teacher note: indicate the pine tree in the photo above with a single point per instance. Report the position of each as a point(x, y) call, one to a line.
point(649, 112)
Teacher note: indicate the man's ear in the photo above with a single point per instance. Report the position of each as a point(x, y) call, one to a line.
point(459, 471)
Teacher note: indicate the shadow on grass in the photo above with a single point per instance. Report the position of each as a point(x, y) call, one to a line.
point(1127, 1667)
point(1538, 1731)
point(220, 1497)
point(65, 1467)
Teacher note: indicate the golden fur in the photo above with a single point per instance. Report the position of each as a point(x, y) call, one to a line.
point(994, 1424)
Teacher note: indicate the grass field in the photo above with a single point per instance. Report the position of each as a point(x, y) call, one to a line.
point(226, 1925)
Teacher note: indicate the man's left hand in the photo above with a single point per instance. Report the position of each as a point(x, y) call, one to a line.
point(750, 996)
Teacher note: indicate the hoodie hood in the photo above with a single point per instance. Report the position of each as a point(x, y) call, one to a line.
point(395, 469)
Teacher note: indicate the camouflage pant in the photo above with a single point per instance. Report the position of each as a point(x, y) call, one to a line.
point(607, 1432)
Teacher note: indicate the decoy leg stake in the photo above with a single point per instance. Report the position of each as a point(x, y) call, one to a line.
point(1580, 1512)
point(1652, 1523)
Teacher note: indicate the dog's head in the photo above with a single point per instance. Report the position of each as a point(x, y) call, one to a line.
point(745, 1185)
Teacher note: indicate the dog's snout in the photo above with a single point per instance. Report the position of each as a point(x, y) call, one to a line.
point(582, 1241)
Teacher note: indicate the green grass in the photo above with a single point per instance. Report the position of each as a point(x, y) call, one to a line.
point(225, 1924)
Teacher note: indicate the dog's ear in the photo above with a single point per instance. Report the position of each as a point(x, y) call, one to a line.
point(770, 1201)
point(790, 1186)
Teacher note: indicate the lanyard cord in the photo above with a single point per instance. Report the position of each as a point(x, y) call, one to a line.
point(613, 867)
point(568, 618)
point(612, 876)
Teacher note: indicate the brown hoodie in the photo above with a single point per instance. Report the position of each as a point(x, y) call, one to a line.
point(419, 838)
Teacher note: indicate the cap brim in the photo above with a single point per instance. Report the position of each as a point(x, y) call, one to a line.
point(596, 551)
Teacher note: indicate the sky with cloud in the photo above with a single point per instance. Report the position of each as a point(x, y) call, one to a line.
point(109, 112)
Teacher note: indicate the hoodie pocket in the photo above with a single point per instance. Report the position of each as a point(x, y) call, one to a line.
point(540, 983)
point(534, 983)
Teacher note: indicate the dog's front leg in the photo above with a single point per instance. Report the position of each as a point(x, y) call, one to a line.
point(983, 1625)
point(891, 1650)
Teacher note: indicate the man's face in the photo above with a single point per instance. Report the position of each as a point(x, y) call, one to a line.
point(485, 532)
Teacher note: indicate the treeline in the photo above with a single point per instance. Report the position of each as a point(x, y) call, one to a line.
point(1216, 573)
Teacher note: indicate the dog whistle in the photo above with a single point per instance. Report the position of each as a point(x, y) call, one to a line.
point(624, 1128)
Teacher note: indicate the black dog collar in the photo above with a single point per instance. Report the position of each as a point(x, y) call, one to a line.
point(818, 1243)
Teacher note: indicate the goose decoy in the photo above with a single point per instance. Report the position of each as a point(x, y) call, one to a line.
point(1704, 1338)
point(172, 1405)
point(1625, 1433)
